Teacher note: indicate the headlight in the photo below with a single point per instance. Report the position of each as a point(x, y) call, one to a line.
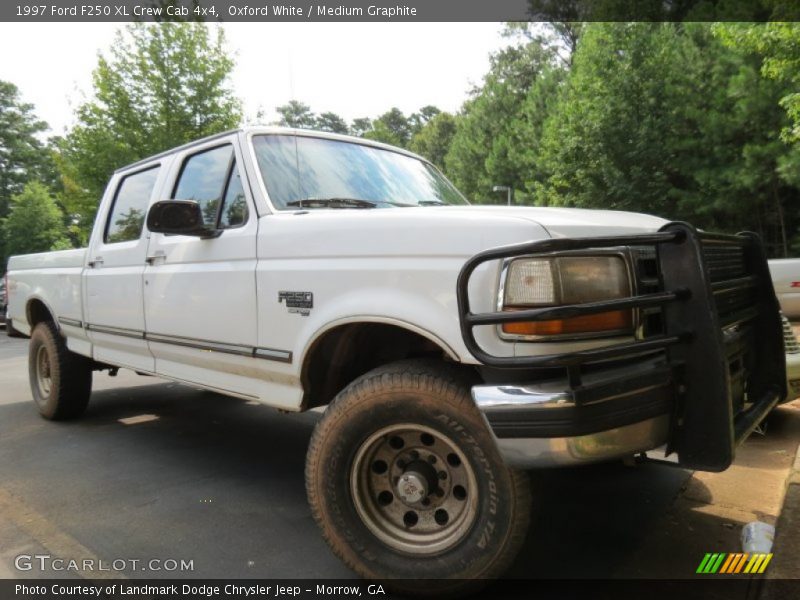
point(556, 281)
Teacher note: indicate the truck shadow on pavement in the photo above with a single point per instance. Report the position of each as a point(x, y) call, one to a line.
point(167, 470)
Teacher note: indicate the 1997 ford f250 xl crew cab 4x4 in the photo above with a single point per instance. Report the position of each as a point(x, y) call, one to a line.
point(454, 345)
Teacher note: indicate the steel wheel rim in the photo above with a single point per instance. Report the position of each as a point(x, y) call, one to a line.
point(44, 380)
point(405, 504)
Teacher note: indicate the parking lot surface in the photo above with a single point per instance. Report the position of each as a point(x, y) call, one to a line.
point(157, 470)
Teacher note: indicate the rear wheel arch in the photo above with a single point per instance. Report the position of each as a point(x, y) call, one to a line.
point(37, 311)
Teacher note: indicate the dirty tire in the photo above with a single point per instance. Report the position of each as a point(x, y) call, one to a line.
point(433, 398)
point(61, 381)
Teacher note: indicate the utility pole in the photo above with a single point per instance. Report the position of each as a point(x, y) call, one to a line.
point(504, 188)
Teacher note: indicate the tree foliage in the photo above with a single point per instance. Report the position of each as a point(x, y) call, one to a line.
point(159, 86)
point(22, 154)
point(35, 223)
point(499, 128)
point(332, 122)
point(692, 121)
point(778, 44)
point(296, 114)
point(663, 118)
point(434, 138)
point(392, 127)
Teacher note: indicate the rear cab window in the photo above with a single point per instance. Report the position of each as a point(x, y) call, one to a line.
point(126, 219)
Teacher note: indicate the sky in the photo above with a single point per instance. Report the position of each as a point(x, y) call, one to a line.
point(352, 69)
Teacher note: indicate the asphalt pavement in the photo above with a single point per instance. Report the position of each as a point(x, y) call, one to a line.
point(157, 470)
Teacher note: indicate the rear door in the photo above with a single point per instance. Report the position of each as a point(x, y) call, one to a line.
point(113, 284)
point(200, 294)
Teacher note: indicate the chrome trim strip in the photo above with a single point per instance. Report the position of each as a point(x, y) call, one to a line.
point(272, 354)
point(237, 349)
point(71, 322)
point(615, 443)
point(131, 333)
point(511, 397)
point(619, 442)
point(199, 344)
point(555, 392)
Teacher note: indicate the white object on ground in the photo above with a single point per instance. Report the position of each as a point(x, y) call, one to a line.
point(757, 537)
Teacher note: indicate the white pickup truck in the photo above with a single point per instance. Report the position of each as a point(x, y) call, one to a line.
point(786, 281)
point(454, 346)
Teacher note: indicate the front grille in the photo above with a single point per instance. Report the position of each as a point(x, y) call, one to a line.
point(648, 281)
point(689, 284)
point(724, 261)
point(734, 288)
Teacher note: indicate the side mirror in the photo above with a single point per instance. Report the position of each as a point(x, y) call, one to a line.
point(179, 217)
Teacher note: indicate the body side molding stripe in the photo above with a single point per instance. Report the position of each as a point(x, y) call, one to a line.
point(240, 350)
point(131, 333)
point(71, 322)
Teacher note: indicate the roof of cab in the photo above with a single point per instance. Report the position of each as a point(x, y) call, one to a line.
point(256, 129)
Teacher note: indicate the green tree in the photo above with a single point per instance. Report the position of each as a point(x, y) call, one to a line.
point(23, 157)
point(663, 118)
point(498, 130)
point(157, 87)
point(332, 122)
point(392, 127)
point(361, 126)
point(35, 223)
point(296, 114)
point(419, 119)
point(606, 144)
point(433, 140)
point(779, 46)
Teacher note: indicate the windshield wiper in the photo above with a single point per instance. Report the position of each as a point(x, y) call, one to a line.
point(332, 203)
point(419, 203)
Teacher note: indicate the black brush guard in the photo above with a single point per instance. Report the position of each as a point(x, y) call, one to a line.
point(721, 333)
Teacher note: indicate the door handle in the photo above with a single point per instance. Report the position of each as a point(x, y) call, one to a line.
point(150, 260)
point(95, 262)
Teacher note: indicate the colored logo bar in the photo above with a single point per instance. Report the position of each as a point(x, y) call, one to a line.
point(745, 562)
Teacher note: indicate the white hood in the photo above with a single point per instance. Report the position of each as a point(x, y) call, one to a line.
point(434, 231)
point(574, 222)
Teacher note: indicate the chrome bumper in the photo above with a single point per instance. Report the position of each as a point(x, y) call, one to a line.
point(521, 419)
point(622, 442)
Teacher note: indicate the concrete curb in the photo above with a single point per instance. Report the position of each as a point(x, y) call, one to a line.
point(786, 549)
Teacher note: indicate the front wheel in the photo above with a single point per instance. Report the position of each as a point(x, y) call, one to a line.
point(406, 483)
point(61, 381)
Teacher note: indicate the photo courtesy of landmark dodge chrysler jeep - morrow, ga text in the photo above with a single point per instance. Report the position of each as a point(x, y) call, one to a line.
point(454, 346)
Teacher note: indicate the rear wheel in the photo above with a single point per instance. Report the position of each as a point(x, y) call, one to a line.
point(61, 381)
point(406, 483)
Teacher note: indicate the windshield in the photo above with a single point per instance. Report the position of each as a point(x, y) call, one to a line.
point(309, 172)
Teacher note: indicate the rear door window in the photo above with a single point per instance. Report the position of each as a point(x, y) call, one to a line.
point(126, 220)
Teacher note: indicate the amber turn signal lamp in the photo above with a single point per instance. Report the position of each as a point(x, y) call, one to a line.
point(614, 320)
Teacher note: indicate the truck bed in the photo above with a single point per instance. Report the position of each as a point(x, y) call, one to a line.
point(50, 278)
point(785, 273)
point(48, 260)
